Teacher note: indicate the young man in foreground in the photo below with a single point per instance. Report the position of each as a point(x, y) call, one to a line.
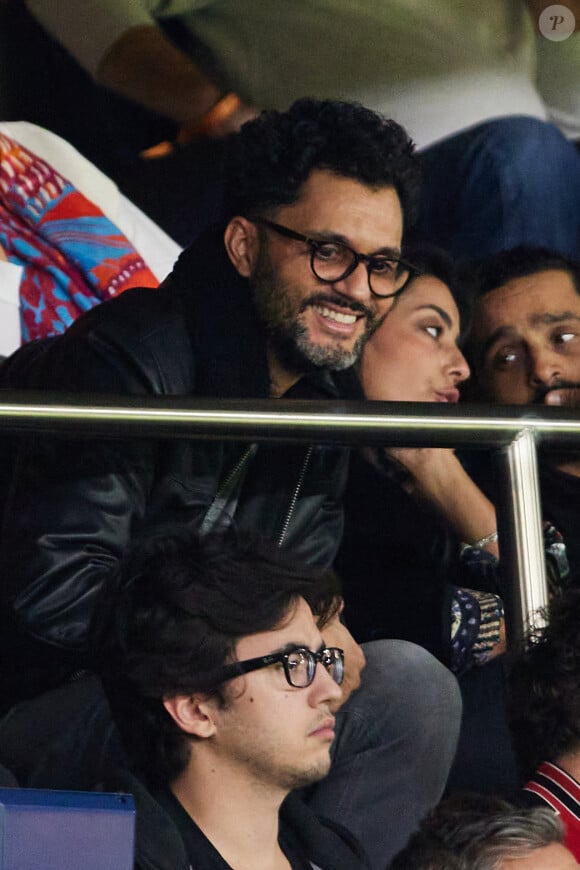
point(222, 687)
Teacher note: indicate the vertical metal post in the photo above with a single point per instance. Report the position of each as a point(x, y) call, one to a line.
point(521, 536)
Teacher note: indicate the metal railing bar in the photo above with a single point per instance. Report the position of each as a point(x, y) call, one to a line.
point(521, 541)
point(333, 421)
point(513, 432)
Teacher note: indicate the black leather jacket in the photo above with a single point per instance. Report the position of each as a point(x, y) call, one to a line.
point(74, 506)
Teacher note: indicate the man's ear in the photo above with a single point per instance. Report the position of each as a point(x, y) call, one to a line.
point(242, 244)
point(193, 713)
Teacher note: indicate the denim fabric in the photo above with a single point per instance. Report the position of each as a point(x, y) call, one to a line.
point(512, 181)
point(396, 740)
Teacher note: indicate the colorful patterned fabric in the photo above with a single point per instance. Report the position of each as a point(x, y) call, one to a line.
point(73, 256)
point(476, 619)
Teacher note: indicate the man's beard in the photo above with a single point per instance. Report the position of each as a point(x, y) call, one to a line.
point(289, 336)
point(556, 458)
point(541, 392)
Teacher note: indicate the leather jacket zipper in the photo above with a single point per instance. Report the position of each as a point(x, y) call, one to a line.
point(225, 484)
point(224, 491)
point(295, 494)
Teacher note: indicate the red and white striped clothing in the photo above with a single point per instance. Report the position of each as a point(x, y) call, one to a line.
point(561, 792)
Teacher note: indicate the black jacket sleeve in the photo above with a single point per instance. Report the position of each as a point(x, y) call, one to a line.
point(73, 505)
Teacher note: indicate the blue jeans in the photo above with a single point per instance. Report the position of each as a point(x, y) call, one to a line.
point(396, 739)
point(512, 181)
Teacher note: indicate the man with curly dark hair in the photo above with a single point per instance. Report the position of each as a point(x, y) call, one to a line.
point(276, 302)
point(544, 713)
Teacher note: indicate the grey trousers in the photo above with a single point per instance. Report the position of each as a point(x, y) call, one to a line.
point(396, 740)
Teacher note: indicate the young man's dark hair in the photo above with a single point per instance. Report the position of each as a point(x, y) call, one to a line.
point(170, 619)
point(544, 688)
point(272, 156)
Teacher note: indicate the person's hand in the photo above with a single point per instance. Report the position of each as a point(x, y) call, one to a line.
point(335, 633)
point(566, 397)
point(3, 254)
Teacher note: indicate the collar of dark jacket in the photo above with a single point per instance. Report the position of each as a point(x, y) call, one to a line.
point(228, 340)
point(159, 845)
point(326, 843)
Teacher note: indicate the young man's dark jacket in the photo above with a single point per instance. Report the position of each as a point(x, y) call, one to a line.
point(161, 841)
point(85, 753)
point(73, 505)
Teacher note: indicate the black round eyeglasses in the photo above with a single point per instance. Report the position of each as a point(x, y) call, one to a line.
point(299, 665)
point(332, 261)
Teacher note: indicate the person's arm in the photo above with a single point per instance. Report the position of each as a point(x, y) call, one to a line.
point(439, 478)
point(126, 51)
point(146, 67)
point(72, 511)
point(478, 625)
point(72, 506)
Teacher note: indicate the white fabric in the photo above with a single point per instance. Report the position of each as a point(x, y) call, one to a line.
point(435, 67)
point(10, 275)
point(157, 249)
